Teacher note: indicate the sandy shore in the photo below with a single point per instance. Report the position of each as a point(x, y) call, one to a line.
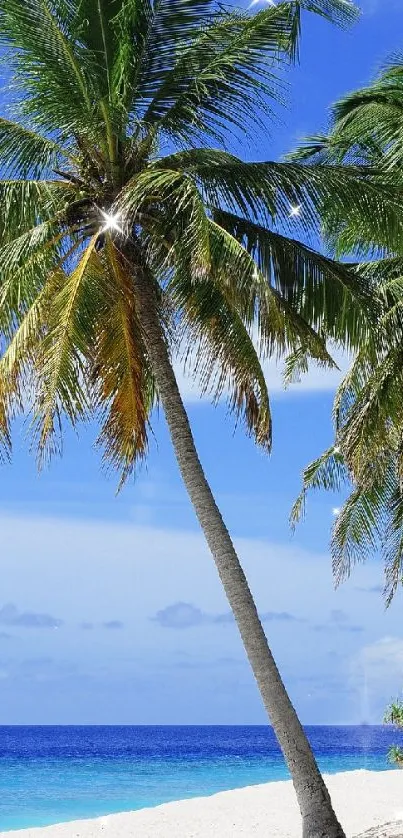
point(362, 799)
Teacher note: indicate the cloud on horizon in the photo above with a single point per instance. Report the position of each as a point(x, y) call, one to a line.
point(184, 615)
point(109, 625)
point(370, 589)
point(338, 621)
point(113, 625)
point(106, 662)
point(10, 616)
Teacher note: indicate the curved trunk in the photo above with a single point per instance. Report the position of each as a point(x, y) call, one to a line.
point(318, 817)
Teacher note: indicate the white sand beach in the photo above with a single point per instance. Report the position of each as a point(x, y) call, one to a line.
point(362, 799)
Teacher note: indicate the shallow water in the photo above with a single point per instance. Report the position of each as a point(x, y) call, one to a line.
point(53, 774)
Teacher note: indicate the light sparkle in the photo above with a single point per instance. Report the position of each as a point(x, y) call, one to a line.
point(111, 222)
point(295, 211)
point(260, 2)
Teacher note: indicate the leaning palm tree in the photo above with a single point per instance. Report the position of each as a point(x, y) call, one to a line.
point(124, 238)
point(367, 131)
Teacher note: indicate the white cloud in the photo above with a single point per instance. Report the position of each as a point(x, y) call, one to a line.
point(77, 567)
point(374, 6)
point(376, 672)
point(383, 659)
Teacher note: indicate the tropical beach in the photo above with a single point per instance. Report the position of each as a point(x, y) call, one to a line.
point(201, 345)
point(178, 779)
point(364, 800)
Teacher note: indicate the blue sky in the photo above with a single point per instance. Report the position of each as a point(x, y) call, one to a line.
point(110, 608)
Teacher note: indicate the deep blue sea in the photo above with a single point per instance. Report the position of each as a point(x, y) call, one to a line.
point(53, 774)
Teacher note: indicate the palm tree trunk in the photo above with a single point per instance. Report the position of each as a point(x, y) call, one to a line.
point(318, 817)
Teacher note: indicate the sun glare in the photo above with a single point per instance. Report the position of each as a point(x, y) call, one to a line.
point(111, 222)
point(260, 2)
point(294, 211)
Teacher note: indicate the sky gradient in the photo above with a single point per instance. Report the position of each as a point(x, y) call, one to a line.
point(110, 608)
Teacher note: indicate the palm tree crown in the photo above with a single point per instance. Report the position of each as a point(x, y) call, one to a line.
point(367, 131)
point(106, 166)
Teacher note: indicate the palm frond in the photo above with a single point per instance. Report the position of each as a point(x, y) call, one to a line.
point(220, 351)
point(17, 381)
point(326, 472)
point(368, 409)
point(357, 530)
point(268, 191)
point(65, 344)
point(55, 73)
point(278, 327)
point(174, 196)
point(123, 381)
point(26, 152)
point(25, 264)
point(392, 542)
point(228, 70)
point(329, 296)
point(155, 35)
point(26, 204)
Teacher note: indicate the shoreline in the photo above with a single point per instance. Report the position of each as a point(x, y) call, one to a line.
point(362, 799)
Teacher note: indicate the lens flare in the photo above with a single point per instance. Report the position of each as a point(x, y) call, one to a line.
point(111, 222)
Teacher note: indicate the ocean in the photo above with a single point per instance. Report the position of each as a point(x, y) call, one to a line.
point(53, 774)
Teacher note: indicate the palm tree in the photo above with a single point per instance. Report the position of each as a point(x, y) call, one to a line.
point(367, 131)
point(123, 237)
point(394, 716)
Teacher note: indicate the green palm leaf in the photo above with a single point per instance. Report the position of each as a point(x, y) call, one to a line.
point(228, 65)
point(123, 382)
point(99, 86)
point(220, 351)
point(65, 344)
point(54, 70)
point(326, 294)
point(27, 152)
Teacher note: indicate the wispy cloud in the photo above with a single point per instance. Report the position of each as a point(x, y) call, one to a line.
point(109, 625)
point(352, 629)
point(384, 654)
point(10, 616)
point(109, 586)
point(339, 621)
point(113, 625)
point(369, 589)
point(212, 663)
point(377, 673)
point(180, 615)
point(184, 615)
point(371, 7)
point(338, 616)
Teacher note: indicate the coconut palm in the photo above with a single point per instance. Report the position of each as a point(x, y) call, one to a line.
point(125, 238)
point(394, 716)
point(367, 131)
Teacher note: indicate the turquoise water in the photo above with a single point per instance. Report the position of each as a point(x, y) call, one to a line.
point(53, 774)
